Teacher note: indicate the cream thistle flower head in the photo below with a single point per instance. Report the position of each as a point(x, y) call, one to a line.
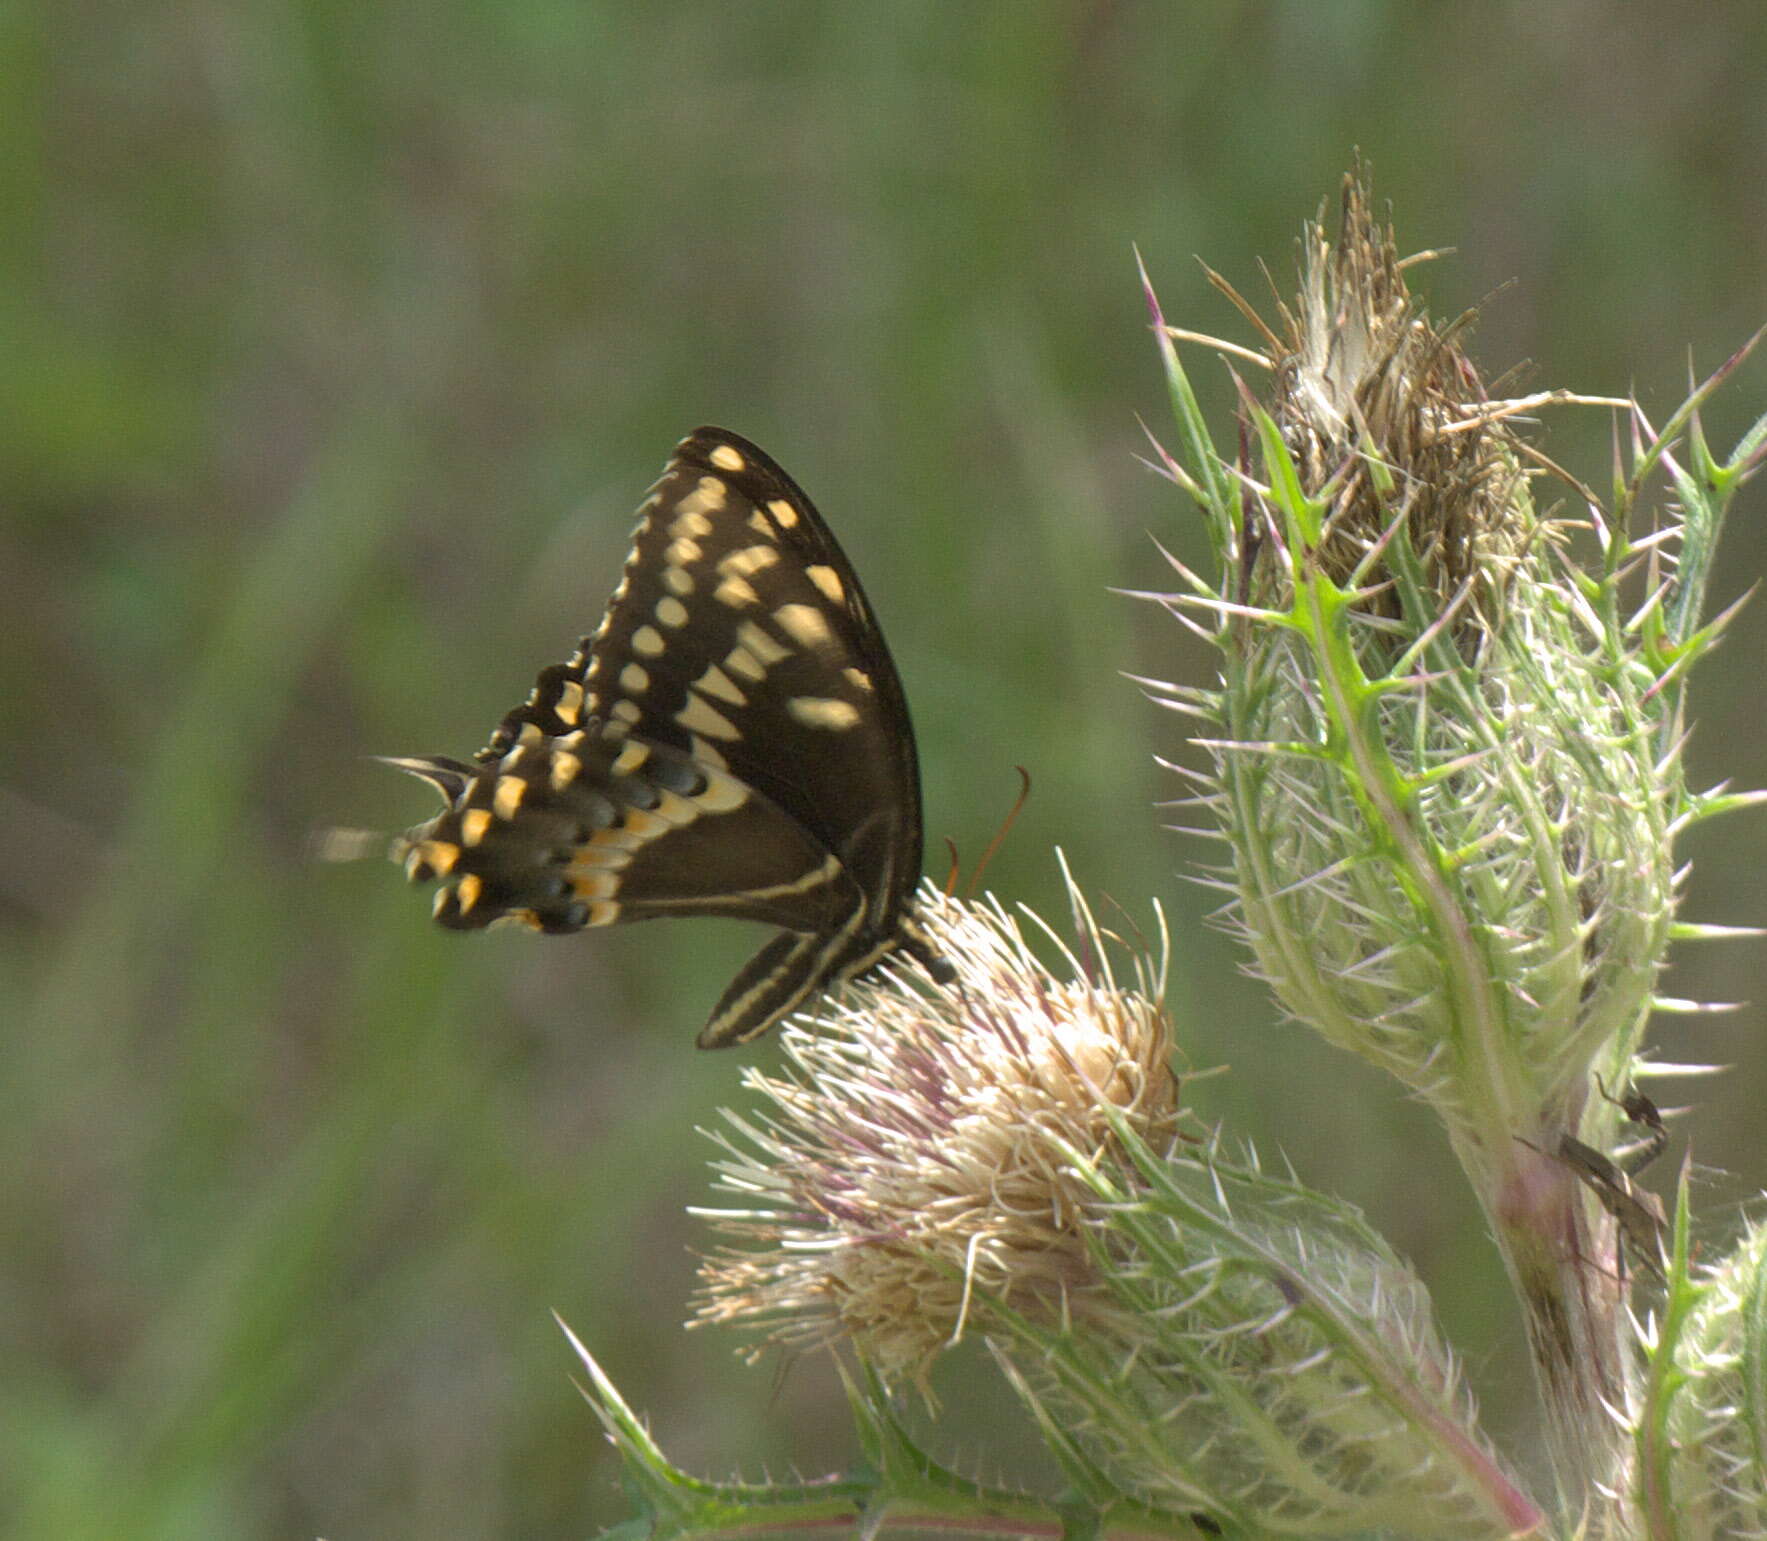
point(915, 1168)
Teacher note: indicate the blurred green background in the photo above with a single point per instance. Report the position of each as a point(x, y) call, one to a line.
point(340, 342)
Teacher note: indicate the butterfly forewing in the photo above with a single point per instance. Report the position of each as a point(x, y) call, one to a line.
point(739, 634)
point(732, 740)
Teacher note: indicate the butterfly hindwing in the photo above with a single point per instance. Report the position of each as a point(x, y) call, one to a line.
point(589, 829)
point(732, 740)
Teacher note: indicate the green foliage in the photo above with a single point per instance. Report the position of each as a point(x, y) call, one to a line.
point(340, 343)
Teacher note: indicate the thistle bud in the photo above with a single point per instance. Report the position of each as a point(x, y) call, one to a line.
point(1445, 759)
point(1445, 780)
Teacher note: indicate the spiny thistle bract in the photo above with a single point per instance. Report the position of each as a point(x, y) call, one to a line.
point(1702, 1430)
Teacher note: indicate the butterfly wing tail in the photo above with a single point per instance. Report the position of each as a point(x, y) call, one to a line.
point(796, 966)
point(791, 969)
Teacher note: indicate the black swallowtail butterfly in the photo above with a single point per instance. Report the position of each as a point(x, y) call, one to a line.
point(733, 740)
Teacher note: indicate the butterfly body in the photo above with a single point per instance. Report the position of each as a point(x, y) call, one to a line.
point(733, 740)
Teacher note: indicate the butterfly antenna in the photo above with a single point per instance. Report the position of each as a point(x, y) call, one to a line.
point(1024, 796)
point(956, 868)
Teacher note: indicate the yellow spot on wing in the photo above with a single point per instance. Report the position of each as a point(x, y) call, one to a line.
point(858, 679)
point(726, 458)
point(635, 678)
point(644, 826)
point(597, 856)
point(508, 797)
point(569, 706)
point(648, 641)
point(468, 890)
point(804, 624)
point(736, 592)
point(630, 758)
point(670, 611)
point(708, 756)
point(676, 810)
point(565, 769)
point(645, 822)
point(678, 580)
point(761, 644)
point(829, 581)
point(698, 716)
point(741, 661)
point(608, 847)
point(823, 712)
point(473, 824)
point(705, 499)
point(723, 794)
point(748, 561)
point(715, 682)
point(784, 513)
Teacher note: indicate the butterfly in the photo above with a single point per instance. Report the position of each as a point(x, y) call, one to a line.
point(733, 740)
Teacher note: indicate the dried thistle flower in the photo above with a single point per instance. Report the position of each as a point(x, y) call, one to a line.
point(915, 1161)
point(1385, 415)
